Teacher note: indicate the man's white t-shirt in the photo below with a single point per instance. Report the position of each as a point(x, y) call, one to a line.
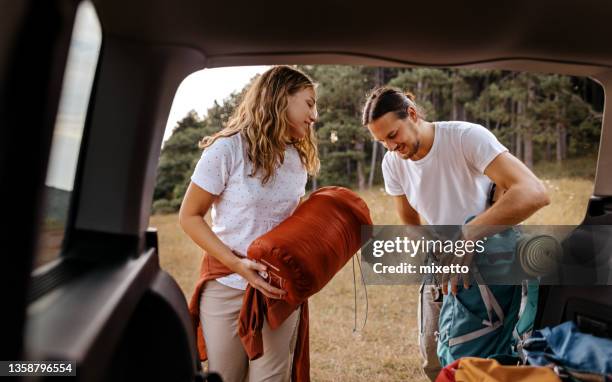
point(448, 185)
point(246, 209)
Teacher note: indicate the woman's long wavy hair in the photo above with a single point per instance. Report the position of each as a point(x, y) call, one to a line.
point(261, 117)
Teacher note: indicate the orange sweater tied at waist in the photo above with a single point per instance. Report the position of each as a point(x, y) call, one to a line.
point(255, 309)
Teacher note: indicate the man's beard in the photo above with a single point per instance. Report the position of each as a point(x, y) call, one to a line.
point(415, 149)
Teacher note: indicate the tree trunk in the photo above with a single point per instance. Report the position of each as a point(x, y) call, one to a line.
point(360, 176)
point(563, 141)
point(528, 148)
point(315, 184)
point(458, 111)
point(487, 101)
point(517, 129)
point(380, 77)
point(454, 97)
point(374, 160)
point(348, 168)
point(528, 131)
point(434, 100)
point(559, 144)
point(519, 146)
point(359, 146)
point(373, 163)
point(561, 132)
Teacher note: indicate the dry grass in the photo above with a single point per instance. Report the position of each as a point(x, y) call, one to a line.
point(569, 198)
point(386, 349)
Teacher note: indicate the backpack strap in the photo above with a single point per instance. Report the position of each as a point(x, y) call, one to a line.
point(528, 308)
point(473, 335)
point(492, 306)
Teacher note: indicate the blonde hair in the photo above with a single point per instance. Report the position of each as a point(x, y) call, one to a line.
point(261, 118)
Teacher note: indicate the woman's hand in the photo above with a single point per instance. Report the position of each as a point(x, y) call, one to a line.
point(195, 205)
point(249, 269)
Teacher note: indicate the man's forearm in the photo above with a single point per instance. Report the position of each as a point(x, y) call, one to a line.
point(515, 205)
point(410, 221)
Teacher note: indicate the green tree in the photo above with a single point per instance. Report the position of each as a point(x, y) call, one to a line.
point(180, 153)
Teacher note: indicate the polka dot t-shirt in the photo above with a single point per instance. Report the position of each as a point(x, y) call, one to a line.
point(246, 209)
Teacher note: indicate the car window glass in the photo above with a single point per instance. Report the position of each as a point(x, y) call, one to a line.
point(68, 132)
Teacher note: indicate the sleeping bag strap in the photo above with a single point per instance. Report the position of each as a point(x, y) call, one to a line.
point(365, 291)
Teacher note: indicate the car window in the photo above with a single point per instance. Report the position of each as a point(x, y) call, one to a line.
point(68, 132)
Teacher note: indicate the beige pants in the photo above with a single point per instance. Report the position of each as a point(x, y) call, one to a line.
point(219, 313)
point(428, 314)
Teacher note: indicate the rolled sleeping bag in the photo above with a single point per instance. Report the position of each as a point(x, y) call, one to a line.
point(306, 250)
point(539, 255)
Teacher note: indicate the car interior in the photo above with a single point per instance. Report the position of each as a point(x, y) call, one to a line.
point(104, 302)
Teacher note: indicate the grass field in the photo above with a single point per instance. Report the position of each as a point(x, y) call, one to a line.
point(386, 349)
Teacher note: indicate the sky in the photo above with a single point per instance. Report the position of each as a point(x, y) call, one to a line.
point(200, 90)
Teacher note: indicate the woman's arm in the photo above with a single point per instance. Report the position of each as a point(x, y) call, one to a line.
point(196, 204)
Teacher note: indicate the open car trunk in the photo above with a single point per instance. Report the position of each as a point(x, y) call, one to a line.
point(105, 303)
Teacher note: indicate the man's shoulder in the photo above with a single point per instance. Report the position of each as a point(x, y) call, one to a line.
point(458, 127)
point(393, 164)
point(458, 131)
point(390, 159)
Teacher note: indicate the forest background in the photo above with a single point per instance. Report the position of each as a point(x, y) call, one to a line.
point(550, 122)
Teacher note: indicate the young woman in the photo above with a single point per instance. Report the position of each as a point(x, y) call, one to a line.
point(252, 174)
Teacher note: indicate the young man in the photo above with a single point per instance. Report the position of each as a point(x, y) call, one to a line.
point(440, 173)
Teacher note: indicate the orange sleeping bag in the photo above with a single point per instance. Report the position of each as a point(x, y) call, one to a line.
point(302, 254)
point(307, 249)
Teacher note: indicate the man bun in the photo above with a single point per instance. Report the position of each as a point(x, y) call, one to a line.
point(410, 96)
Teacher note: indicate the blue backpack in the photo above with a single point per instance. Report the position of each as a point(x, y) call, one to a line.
point(488, 321)
point(570, 350)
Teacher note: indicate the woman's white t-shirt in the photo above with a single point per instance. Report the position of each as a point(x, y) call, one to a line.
point(246, 209)
point(448, 185)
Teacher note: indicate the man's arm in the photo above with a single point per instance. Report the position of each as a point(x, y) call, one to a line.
point(406, 213)
point(524, 195)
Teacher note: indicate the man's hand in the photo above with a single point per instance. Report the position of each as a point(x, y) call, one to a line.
point(465, 259)
point(450, 259)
